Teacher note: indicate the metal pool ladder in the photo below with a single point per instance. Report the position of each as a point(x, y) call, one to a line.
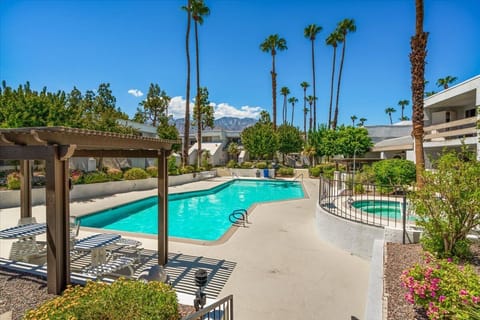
point(239, 215)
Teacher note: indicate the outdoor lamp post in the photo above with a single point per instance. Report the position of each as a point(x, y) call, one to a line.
point(201, 278)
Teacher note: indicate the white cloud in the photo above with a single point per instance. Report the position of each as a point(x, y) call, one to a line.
point(176, 108)
point(135, 92)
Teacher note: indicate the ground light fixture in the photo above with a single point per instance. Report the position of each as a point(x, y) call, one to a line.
point(201, 279)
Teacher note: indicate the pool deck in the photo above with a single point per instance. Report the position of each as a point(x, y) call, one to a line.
point(283, 270)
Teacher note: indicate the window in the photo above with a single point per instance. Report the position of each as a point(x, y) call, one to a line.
point(470, 113)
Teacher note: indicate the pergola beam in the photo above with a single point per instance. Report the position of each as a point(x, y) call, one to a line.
point(117, 153)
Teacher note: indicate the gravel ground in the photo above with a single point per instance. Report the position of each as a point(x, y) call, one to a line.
point(399, 257)
point(20, 292)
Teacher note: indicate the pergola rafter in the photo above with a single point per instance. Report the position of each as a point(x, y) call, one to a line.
point(56, 145)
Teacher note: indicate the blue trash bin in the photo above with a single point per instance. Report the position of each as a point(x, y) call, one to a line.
point(265, 173)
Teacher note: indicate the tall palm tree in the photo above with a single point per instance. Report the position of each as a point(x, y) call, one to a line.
point(310, 100)
point(198, 10)
point(418, 44)
point(402, 104)
point(362, 122)
point(354, 117)
point(445, 82)
point(284, 91)
point(186, 131)
point(305, 112)
point(345, 26)
point(310, 32)
point(272, 44)
point(332, 40)
point(389, 111)
point(304, 86)
point(292, 100)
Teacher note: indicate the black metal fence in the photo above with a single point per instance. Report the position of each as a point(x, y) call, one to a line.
point(369, 204)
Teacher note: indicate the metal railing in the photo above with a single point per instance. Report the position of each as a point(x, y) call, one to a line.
point(370, 204)
point(298, 176)
point(222, 309)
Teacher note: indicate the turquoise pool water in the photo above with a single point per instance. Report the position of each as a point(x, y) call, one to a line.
point(383, 208)
point(199, 215)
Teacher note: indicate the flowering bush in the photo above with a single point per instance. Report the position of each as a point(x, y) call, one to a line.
point(153, 171)
point(114, 174)
point(13, 181)
point(445, 289)
point(135, 174)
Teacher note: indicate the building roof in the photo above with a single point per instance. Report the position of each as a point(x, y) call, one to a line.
point(395, 144)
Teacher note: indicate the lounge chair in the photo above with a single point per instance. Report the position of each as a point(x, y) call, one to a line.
point(111, 267)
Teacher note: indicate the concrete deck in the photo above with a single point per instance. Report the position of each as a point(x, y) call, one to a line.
point(283, 270)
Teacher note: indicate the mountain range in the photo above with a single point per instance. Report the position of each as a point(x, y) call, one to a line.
point(226, 123)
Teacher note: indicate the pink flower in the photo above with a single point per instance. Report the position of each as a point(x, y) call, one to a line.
point(475, 299)
point(463, 292)
point(449, 260)
point(441, 298)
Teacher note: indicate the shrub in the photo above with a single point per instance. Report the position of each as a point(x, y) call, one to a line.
point(394, 172)
point(95, 177)
point(314, 172)
point(448, 204)
point(365, 176)
point(135, 174)
point(76, 176)
point(187, 169)
point(327, 169)
point(172, 165)
point(114, 174)
point(285, 171)
point(123, 299)
point(261, 165)
point(13, 181)
point(152, 172)
point(231, 164)
point(445, 289)
point(246, 165)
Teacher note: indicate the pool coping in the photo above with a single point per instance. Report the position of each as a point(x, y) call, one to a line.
point(226, 235)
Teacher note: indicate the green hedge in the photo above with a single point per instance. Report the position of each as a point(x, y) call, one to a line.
point(285, 171)
point(123, 299)
point(13, 181)
point(95, 177)
point(135, 174)
point(261, 165)
point(152, 171)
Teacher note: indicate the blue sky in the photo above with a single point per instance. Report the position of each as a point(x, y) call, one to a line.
point(130, 44)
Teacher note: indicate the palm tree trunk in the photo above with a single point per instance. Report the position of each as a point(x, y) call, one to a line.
point(304, 113)
point(335, 115)
point(293, 109)
point(274, 92)
point(186, 131)
point(197, 101)
point(331, 88)
point(314, 92)
point(310, 124)
point(418, 45)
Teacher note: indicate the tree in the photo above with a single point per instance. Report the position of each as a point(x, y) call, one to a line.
point(354, 117)
point(168, 131)
point(305, 112)
point(206, 117)
point(362, 122)
point(430, 93)
point(292, 100)
point(154, 106)
point(272, 44)
point(311, 100)
point(352, 141)
point(260, 140)
point(389, 111)
point(345, 26)
point(186, 132)
point(304, 86)
point(289, 139)
point(284, 91)
point(445, 82)
point(233, 150)
point(402, 104)
point(310, 32)
point(324, 141)
point(332, 40)
point(418, 44)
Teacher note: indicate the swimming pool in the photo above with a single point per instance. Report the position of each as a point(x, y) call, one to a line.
point(383, 208)
point(198, 215)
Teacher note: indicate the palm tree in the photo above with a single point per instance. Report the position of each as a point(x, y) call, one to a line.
point(305, 111)
point(310, 100)
point(198, 10)
point(233, 150)
point(354, 117)
point(389, 111)
point(272, 44)
point(304, 86)
point(284, 91)
point(310, 32)
point(345, 26)
point(402, 104)
point(430, 93)
point(418, 44)
point(186, 131)
point(292, 100)
point(332, 40)
point(362, 122)
point(445, 82)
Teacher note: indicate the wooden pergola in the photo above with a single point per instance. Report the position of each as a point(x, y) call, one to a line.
point(56, 145)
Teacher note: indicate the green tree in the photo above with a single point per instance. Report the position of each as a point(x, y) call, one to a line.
point(353, 118)
point(389, 111)
point(402, 104)
point(362, 122)
point(233, 150)
point(446, 82)
point(284, 91)
point(324, 141)
point(207, 119)
point(186, 132)
point(154, 106)
point(448, 203)
point(332, 40)
point(292, 100)
point(289, 139)
point(394, 172)
point(418, 44)
point(310, 32)
point(272, 44)
point(344, 27)
point(352, 141)
point(260, 140)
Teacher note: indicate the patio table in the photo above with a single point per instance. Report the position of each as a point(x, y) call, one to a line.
point(96, 244)
point(23, 232)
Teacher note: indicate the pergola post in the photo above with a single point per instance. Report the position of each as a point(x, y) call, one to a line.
point(25, 188)
point(162, 207)
point(57, 203)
